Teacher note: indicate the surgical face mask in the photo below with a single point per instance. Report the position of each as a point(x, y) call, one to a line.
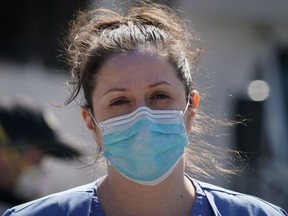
point(145, 145)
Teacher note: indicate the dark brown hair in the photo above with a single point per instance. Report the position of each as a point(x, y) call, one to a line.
point(97, 34)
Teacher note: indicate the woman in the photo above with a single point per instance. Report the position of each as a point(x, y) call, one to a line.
point(135, 73)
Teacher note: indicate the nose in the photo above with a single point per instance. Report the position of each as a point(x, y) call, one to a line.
point(141, 101)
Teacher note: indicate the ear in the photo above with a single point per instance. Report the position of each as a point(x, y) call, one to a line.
point(86, 115)
point(194, 101)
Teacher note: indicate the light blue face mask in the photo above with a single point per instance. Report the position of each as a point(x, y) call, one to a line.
point(145, 145)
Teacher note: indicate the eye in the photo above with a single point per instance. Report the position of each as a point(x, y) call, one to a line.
point(159, 96)
point(119, 101)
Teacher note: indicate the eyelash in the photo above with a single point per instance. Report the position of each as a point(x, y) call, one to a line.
point(157, 96)
point(119, 102)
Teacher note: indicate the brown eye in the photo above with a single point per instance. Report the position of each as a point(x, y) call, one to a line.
point(119, 102)
point(159, 96)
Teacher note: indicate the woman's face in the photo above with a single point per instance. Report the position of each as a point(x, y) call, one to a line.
point(126, 82)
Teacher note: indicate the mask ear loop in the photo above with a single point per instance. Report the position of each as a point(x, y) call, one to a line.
point(187, 105)
point(93, 119)
point(97, 124)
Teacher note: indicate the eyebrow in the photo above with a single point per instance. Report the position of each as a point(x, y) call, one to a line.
point(159, 83)
point(125, 90)
point(115, 90)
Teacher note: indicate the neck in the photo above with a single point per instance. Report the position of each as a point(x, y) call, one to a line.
point(174, 193)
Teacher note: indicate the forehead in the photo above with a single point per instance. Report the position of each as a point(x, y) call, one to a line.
point(136, 67)
point(136, 57)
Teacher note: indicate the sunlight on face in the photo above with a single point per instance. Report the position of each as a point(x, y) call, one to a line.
point(127, 81)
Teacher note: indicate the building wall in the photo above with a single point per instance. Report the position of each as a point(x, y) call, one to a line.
point(240, 43)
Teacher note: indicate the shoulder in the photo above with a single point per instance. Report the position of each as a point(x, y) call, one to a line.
point(227, 202)
point(75, 201)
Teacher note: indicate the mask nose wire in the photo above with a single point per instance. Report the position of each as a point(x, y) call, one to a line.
point(93, 119)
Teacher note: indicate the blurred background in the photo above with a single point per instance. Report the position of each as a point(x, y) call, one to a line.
point(244, 72)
